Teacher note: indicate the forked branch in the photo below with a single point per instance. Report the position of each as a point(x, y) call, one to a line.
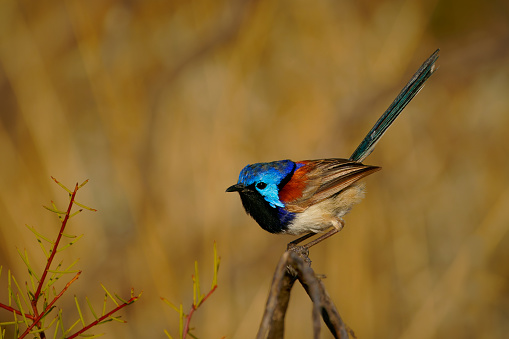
point(293, 267)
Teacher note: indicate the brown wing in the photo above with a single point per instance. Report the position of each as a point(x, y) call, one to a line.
point(324, 178)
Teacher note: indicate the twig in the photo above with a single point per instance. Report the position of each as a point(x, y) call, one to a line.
point(10, 309)
point(54, 250)
point(104, 317)
point(36, 316)
point(292, 267)
point(50, 305)
point(272, 325)
point(194, 307)
point(322, 304)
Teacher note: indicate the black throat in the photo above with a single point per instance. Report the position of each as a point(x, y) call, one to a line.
point(257, 207)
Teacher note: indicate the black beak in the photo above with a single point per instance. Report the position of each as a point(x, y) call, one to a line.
point(236, 188)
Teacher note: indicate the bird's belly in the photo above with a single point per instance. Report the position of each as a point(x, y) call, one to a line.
point(326, 213)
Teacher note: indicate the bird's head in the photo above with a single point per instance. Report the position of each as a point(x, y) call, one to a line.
point(264, 179)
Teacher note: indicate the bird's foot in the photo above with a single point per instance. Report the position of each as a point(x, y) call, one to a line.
point(301, 251)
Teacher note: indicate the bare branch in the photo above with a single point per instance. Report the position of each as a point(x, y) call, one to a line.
point(295, 265)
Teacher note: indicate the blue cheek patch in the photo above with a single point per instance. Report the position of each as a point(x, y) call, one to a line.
point(271, 194)
point(271, 173)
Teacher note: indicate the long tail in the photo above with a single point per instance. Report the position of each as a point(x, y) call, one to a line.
point(405, 96)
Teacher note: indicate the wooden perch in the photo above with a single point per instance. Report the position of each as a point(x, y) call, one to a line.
point(295, 266)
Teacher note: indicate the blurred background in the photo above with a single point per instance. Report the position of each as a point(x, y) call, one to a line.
point(162, 103)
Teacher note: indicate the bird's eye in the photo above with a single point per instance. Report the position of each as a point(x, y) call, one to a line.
point(261, 185)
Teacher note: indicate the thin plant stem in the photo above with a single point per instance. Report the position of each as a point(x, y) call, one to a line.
point(194, 308)
point(50, 305)
point(54, 250)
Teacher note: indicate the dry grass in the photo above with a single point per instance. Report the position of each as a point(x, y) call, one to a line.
point(161, 103)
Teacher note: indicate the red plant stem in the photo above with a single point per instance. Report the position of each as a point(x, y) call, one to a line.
point(50, 305)
point(194, 308)
point(107, 315)
point(54, 250)
point(37, 317)
point(8, 308)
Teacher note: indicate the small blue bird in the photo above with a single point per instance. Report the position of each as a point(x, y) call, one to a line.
point(311, 196)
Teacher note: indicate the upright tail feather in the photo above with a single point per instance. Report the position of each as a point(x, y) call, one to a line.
point(405, 96)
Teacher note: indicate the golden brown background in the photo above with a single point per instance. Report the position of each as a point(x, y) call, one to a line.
point(161, 103)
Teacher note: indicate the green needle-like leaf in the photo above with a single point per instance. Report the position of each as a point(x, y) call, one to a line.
point(118, 319)
point(37, 330)
point(32, 276)
point(16, 327)
point(104, 304)
point(85, 207)
point(46, 253)
point(63, 272)
point(6, 323)
point(91, 335)
point(72, 326)
point(56, 274)
point(217, 260)
point(61, 185)
point(165, 332)
point(69, 244)
point(194, 290)
point(54, 210)
point(122, 300)
point(108, 320)
point(77, 212)
point(9, 286)
point(79, 311)
point(27, 264)
point(83, 184)
point(59, 215)
point(52, 321)
point(181, 321)
point(197, 291)
point(109, 295)
point(61, 323)
point(21, 291)
point(39, 235)
point(56, 329)
point(71, 265)
point(20, 308)
point(91, 308)
point(169, 303)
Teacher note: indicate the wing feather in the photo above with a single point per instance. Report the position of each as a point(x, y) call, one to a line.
point(323, 179)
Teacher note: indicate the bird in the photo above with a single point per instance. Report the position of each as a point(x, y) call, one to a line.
point(311, 196)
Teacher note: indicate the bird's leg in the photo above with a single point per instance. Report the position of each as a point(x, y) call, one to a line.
point(336, 228)
point(299, 240)
point(321, 238)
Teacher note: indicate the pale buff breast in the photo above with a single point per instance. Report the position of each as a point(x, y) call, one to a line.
point(327, 213)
